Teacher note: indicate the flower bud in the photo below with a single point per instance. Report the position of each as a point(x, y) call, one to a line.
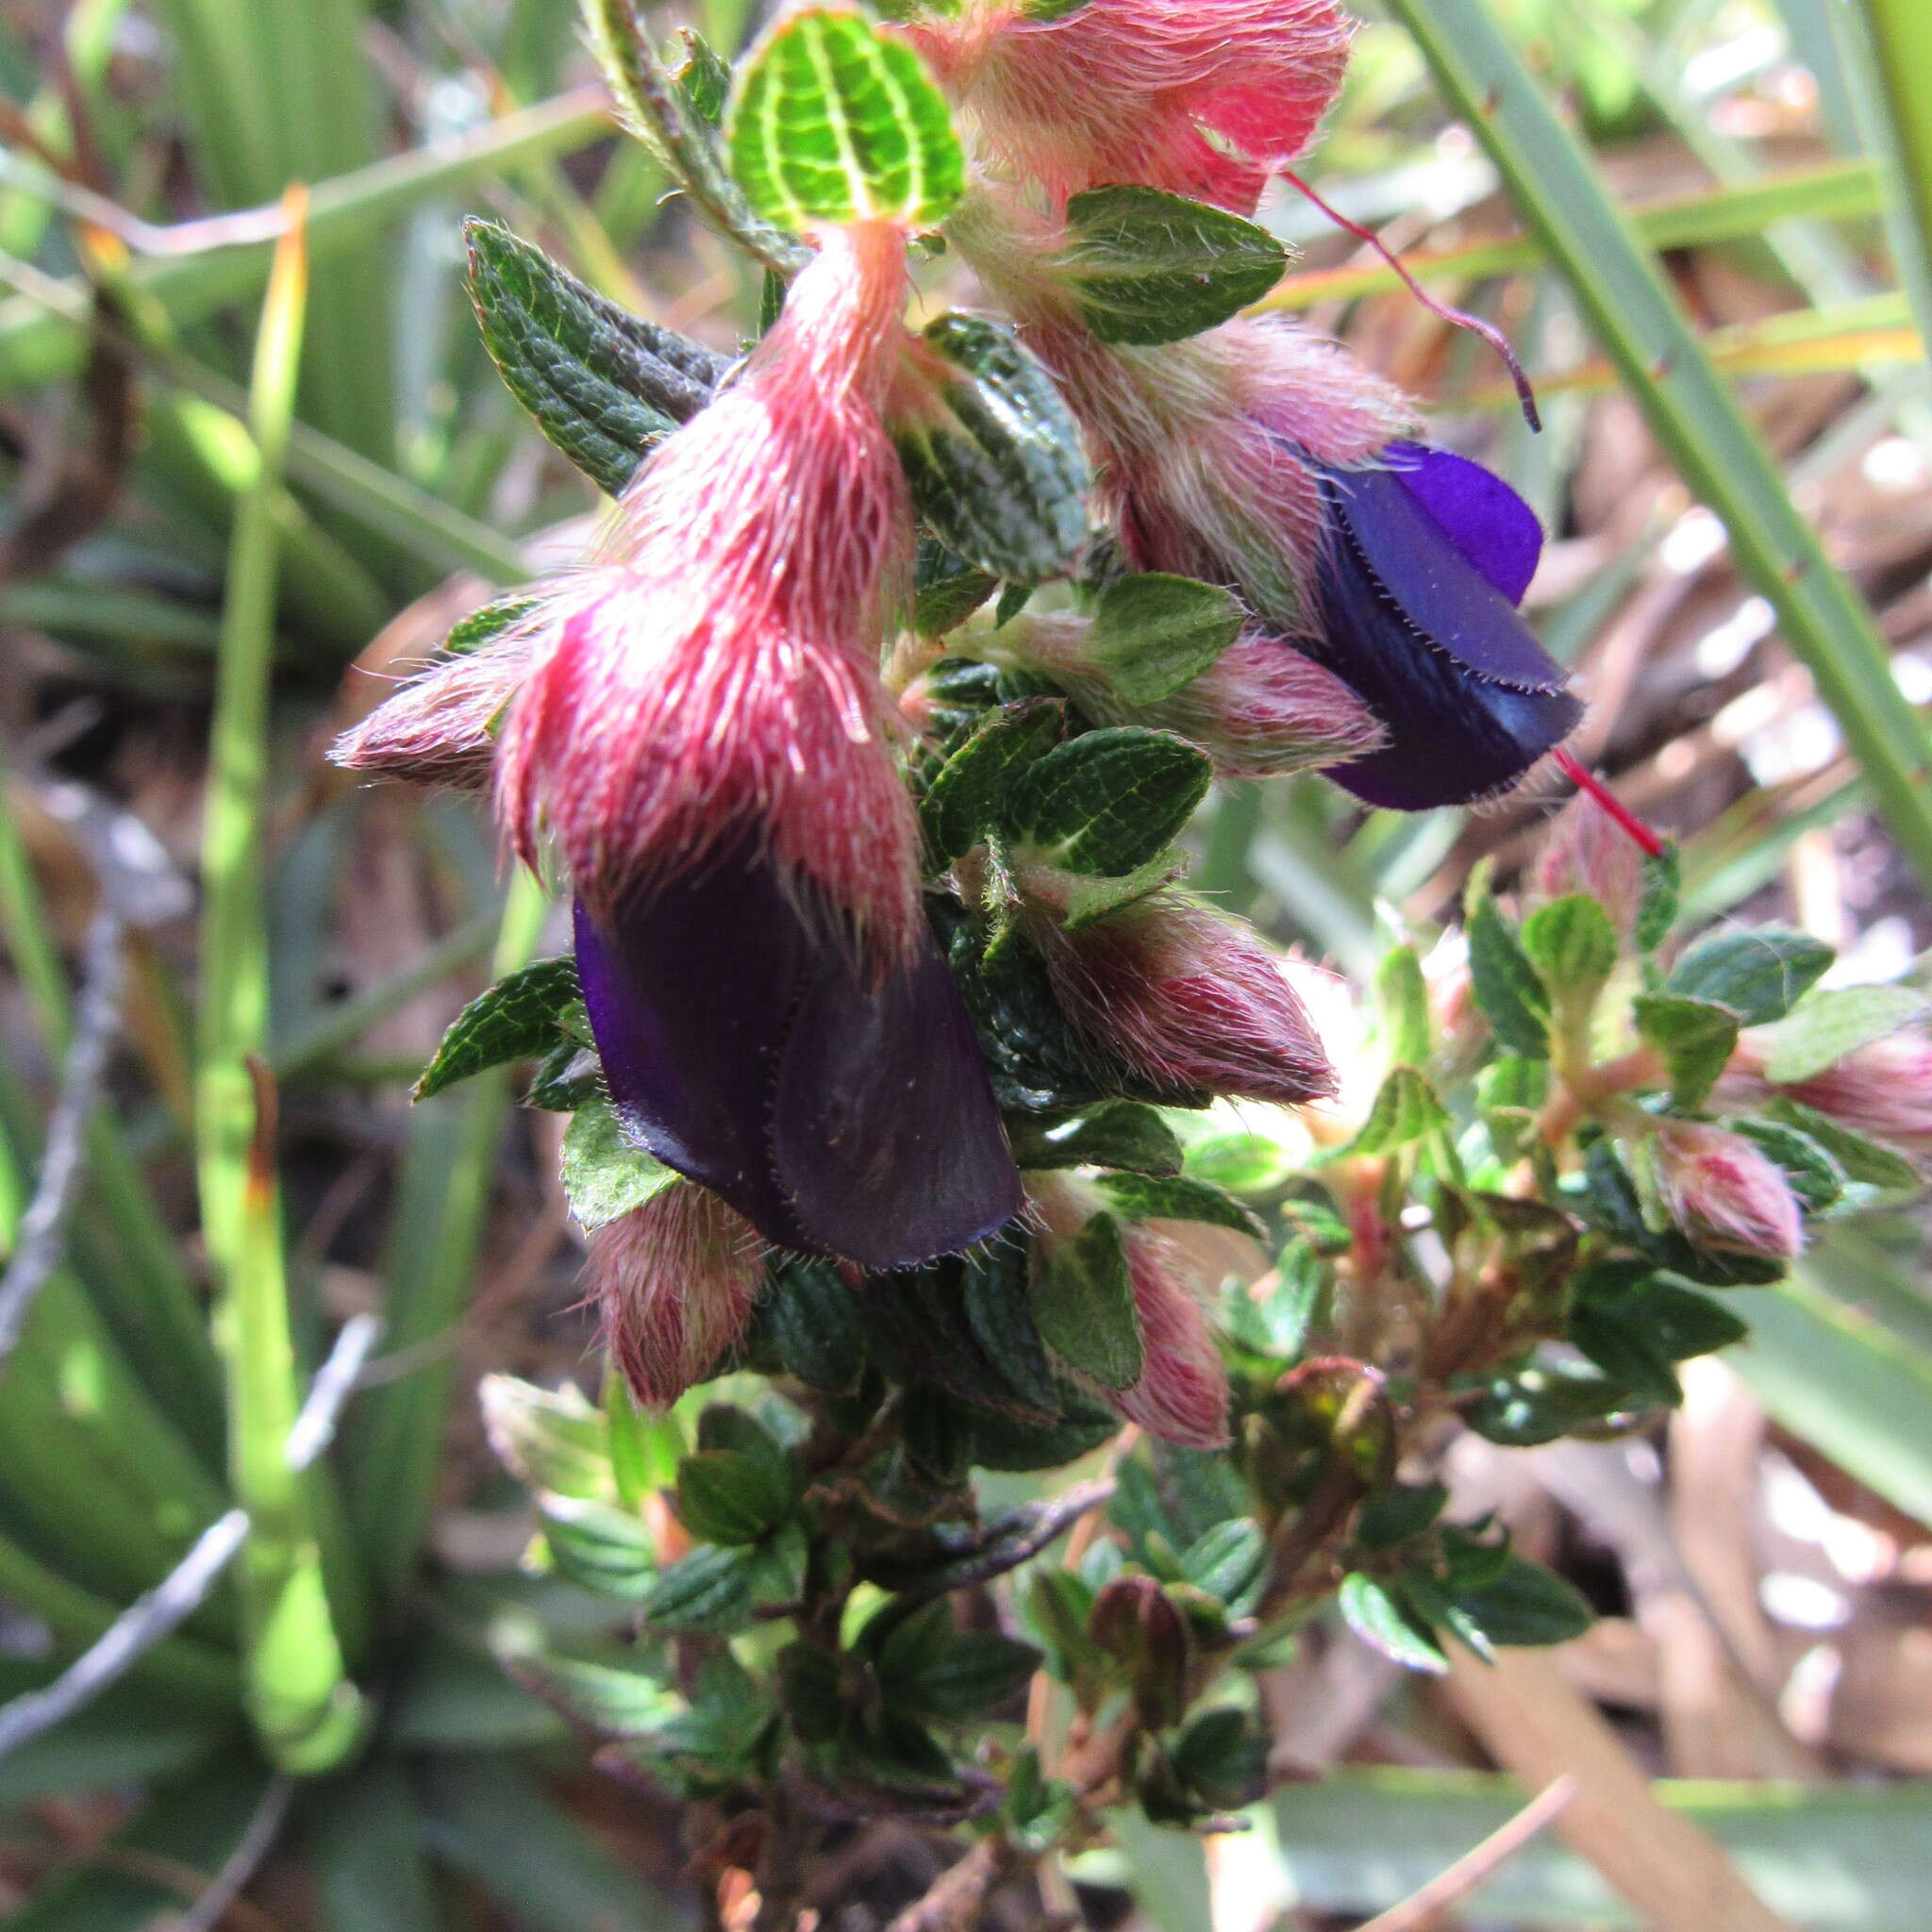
point(1202, 97)
point(1585, 851)
point(674, 1282)
point(1724, 1192)
point(436, 729)
point(1260, 711)
point(1181, 1395)
point(1138, 1624)
point(1191, 999)
point(1882, 1089)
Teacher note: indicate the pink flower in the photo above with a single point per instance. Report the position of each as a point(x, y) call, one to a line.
point(1723, 1191)
point(713, 672)
point(1202, 97)
point(1882, 1089)
point(1191, 1000)
point(674, 1282)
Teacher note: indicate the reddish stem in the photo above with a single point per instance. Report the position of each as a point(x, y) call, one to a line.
point(1459, 318)
point(1647, 841)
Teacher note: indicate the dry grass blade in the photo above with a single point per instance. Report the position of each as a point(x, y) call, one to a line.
point(1424, 1910)
point(1533, 1723)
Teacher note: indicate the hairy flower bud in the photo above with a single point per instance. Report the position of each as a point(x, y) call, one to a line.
point(675, 1281)
point(1136, 1623)
point(1882, 1089)
point(1201, 97)
point(1585, 850)
point(713, 672)
point(1723, 1191)
point(436, 729)
point(1181, 1395)
point(1191, 999)
point(1260, 711)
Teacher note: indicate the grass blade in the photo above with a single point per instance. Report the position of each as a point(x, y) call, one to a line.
point(303, 1704)
point(1619, 286)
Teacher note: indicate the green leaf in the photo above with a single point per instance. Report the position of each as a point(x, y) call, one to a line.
point(1760, 973)
point(515, 1020)
point(1572, 944)
point(1124, 1135)
point(599, 1548)
point(1527, 1605)
point(1814, 1176)
point(1859, 1159)
point(472, 632)
point(724, 1496)
point(817, 1324)
point(1657, 910)
point(1083, 1304)
point(964, 1680)
point(553, 1440)
point(1406, 1110)
point(1243, 1164)
point(1152, 633)
point(1402, 1007)
point(1145, 266)
point(1382, 1620)
point(966, 794)
point(1824, 1027)
point(567, 1077)
point(1502, 981)
point(832, 122)
point(946, 589)
point(1110, 802)
point(997, 1297)
point(992, 453)
point(1694, 1037)
point(710, 1590)
point(604, 386)
point(615, 1699)
point(704, 78)
point(605, 1173)
point(1228, 1562)
point(1541, 1402)
point(1179, 1197)
point(1392, 1516)
point(811, 1690)
point(1223, 1759)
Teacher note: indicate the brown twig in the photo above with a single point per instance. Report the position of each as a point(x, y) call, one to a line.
point(952, 1902)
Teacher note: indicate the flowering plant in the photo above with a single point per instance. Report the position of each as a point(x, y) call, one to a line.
point(910, 1087)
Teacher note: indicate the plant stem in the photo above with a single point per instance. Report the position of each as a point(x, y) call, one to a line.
point(306, 1710)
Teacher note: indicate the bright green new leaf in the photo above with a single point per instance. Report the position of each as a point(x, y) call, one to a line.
point(1405, 1110)
point(832, 122)
point(605, 1173)
point(1824, 1027)
point(1110, 802)
point(1572, 944)
point(514, 1019)
point(1694, 1038)
point(1152, 633)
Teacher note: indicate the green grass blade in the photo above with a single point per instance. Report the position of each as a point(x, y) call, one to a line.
point(43, 335)
point(1619, 286)
point(1842, 1858)
point(442, 1208)
point(305, 1708)
point(1837, 190)
point(1884, 49)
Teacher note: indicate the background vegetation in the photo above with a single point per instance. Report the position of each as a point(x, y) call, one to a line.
point(1695, 218)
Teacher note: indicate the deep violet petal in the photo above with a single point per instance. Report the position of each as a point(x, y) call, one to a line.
point(837, 1114)
point(1442, 596)
point(690, 995)
point(1485, 518)
point(884, 1130)
point(1453, 735)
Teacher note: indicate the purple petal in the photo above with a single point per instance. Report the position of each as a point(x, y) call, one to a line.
point(1429, 581)
point(1484, 518)
point(1454, 735)
point(838, 1114)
